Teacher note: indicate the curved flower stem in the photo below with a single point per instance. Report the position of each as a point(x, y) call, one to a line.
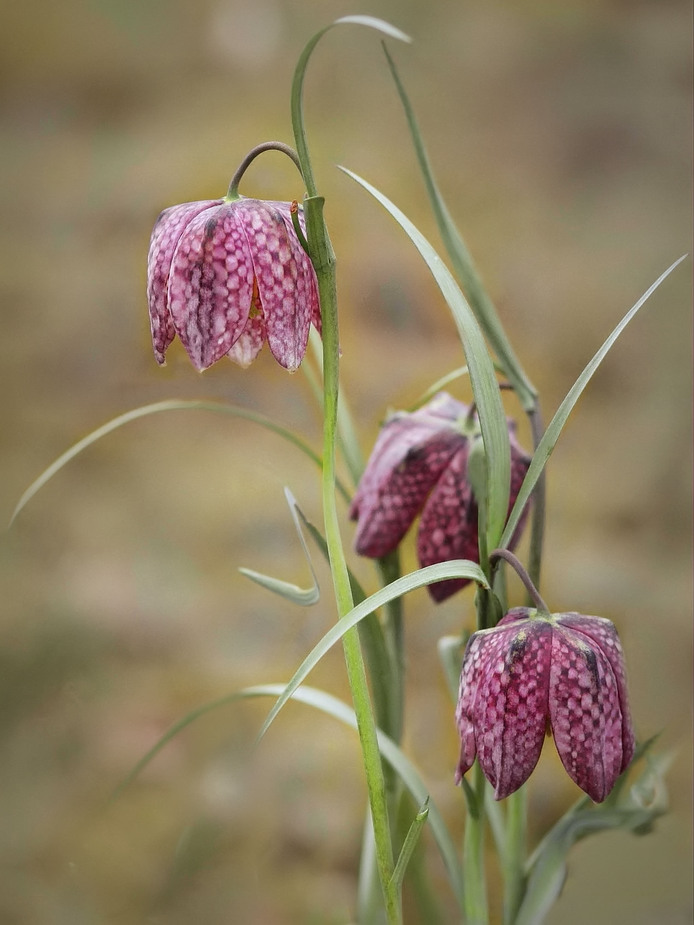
point(522, 574)
point(233, 192)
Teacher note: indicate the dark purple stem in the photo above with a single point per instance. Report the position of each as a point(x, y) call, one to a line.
point(251, 156)
point(522, 574)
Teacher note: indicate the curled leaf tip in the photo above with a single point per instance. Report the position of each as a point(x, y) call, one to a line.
point(374, 23)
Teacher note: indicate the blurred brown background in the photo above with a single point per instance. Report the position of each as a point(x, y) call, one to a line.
point(561, 137)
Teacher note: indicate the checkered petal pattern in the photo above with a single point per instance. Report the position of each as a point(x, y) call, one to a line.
point(227, 276)
point(532, 673)
point(419, 464)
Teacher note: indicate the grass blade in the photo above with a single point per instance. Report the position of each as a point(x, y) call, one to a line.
point(556, 425)
point(485, 387)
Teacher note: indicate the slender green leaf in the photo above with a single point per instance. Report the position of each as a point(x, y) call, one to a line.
point(305, 597)
point(402, 765)
point(170, 405)
point(171, 734)
point(346, 431)
point(450, 649)
point(438, 385)
point(373, 642)
point(485, 387)
point(632, 807)
point(456, 568)
point(297, 106)
point(410, 843)
point(464, 267)
point(556, 425)
point(336, 708)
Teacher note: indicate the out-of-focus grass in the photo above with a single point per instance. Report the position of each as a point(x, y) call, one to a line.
point(560, 135)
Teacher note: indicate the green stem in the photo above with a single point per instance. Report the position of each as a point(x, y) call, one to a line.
point(323, 259)
point(513, 860)
point(325, 270)
point(476, 908)
point(394, 632)
point(537, 529)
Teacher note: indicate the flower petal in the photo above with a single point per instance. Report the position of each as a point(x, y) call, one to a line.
point(409, 462)
point(448, 525)
point(507, 705)
point(211, 285)
point(284, 276)
point(165, 236)
point(601, 633)
point(251, 340)
point(383, 509)
point(309, 272)
point(585, 712)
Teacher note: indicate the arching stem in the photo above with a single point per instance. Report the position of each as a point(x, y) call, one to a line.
point(517, 566)
point(233, 192)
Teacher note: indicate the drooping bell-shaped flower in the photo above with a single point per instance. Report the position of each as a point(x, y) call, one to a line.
point(419, 464)
point(227, 275)
point(536, 672)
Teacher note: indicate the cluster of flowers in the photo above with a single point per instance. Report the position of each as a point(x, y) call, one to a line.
point(228, 275)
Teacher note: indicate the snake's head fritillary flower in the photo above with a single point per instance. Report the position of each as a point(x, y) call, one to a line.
point(419, 464)
point(228, 275)
point(536, 673)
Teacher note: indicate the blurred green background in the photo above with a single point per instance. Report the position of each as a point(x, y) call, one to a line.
point(561, 136)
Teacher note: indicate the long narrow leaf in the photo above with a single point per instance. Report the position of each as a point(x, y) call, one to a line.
point(305, 597)
point(330, 705)
point(463, 264)
point(410, 843)
point(456, 568)
point(485, 387)
point(402, 765)
point(556, 425)
point(625, 808)
point(297, 106)
point(144, 411)
point(373, 643)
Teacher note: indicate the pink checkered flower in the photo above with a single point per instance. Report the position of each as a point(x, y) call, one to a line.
point(536, 673)
point(228, 275)
point(419, 464)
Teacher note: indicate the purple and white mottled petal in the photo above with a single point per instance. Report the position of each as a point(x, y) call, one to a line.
point(446, 408)
point(509, 709)
point(165, 236)
point(250, 342)
point(601, 633)
point(473, 664)
point(448, 525)
point(387, 510)
point(399, 434)
point(279, 274)
point(508, 760)
point(309, 273)
point(584, 713)
point(211, 285)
